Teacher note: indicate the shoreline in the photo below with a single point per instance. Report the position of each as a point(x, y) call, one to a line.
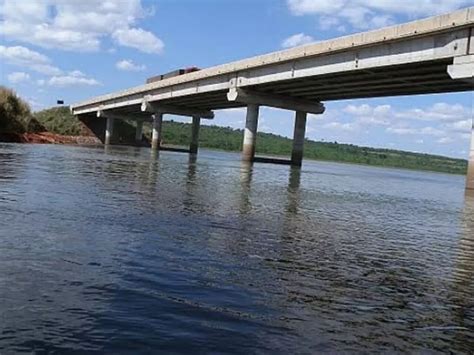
point(46, 138)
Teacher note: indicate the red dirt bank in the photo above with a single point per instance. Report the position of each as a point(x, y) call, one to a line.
point(46, 138)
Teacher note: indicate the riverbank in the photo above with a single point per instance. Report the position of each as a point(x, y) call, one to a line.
point(47, 138)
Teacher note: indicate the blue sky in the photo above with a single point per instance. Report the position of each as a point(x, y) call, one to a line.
point(72, 50)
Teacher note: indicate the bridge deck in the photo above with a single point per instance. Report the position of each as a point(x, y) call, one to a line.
point(406, 59)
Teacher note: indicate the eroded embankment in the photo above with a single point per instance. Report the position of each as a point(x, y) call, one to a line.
point(46, 138)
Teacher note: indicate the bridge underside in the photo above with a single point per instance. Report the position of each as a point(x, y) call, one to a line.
point(410, 79)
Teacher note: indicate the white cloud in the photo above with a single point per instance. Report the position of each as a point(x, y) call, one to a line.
point(139, 39)
point(344, 126)
point(439, 123)
point(424, 131)
point(402, 130)
point(298, 39)
point(75, 25)
point(366, 114)
point(74, 78)
point(18, 77)
point(24, 57)
point(462, 126)
point(128, 65)
point(445, 140)
point(431, 131)
point(448, 118)
point(438, 112)
point(364, 14)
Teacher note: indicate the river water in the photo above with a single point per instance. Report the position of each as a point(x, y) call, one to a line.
point(116, 250)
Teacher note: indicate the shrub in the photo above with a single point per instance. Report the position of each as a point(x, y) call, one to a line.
point(15, 114)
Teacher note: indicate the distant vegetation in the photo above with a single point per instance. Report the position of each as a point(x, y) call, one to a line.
point(226, 138)
point(16, 117)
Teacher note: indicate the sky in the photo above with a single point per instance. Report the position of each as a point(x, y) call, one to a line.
point(73, 50)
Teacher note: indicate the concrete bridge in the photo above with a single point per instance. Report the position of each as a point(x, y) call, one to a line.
point(433, 55)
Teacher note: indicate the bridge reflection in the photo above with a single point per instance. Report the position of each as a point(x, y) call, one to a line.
point(464, 270)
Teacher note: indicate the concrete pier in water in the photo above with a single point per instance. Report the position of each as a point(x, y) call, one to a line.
point(109, 130)
point(156, 131)
point(298, 138)
point(193, 147)
point(139, 132)
point(250, 133)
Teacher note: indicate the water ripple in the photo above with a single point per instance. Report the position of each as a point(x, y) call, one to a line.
point(117, 250)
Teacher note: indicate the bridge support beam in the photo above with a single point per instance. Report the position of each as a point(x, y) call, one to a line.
point(109, 130)
point(193, 147)
point(139, 132)
point(298, 138)
point(250, 133)
point(278, 101)
point(470, 167)
point(462, 68)
point(156, 131)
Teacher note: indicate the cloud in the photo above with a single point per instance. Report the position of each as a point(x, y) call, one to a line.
point(365, 14)
point(425, 131)
point(450, 123)
point(297, 40)
point(366, 114)
point(344, 126)
point(438, 124)
point(128, 65)
point(74, 78)
point(24, 57)
point(76, 25)
point(139, 39)
point(462, 126)
point(454, 118)
point(445, 140)
point(18, 77)
point(438, 112)
point(402, 130)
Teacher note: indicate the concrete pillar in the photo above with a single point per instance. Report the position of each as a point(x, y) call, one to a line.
point(139, 131)
point(193, 147)
point(109, 130)
point(470, 167)
point(298, 138)
point(250, 133)
point(156, 132)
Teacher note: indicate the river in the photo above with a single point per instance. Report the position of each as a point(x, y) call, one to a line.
point(118, 250)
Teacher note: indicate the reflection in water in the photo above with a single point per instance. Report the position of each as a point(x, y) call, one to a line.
point(463, 277)
point(191, 169)
point(246, 172)
point(464, 271)
point(153, 168)
point(190, 204)
point(294, 189)
point(154, 154)
point(124, 252)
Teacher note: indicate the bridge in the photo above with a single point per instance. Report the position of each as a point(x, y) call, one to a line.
point(433, 55)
